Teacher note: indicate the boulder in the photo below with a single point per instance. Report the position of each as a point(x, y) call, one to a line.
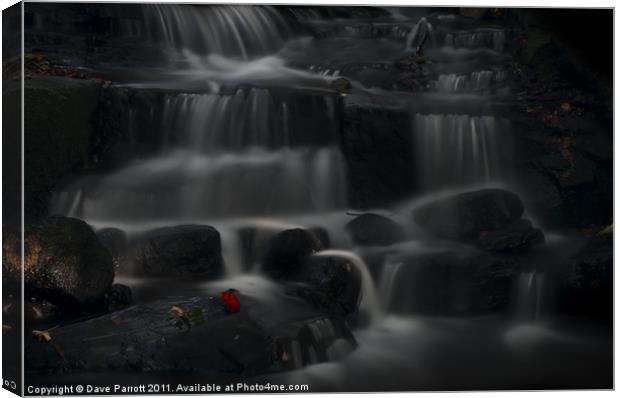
point(331, 283)
point(286, 250)
point(117, 297)
point(467, 215)
point(255, 240)
point(179, 251)
point(518, 236)
point(589, 287)
point(64, 261)
point(375, 230)
point(454, 283)
point(113, 239)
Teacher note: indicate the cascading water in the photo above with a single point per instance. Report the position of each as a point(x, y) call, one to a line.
point(241, 31)
point(458, 149)
point(245, 154)
point(228, 149)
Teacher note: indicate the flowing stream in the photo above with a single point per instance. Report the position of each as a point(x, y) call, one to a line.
point(246, 153)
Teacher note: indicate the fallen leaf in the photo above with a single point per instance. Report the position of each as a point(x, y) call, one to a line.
point(42, 335)
point(178, 311)
point(566, 107)
point(115, 318)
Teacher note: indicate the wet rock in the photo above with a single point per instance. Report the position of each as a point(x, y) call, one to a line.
point(331, 283)
point(341, 85)
point(589, 288)
point(455, 283)
point(179, 251)
point(286, 250)
point(320, 340)
point(256, 240)
point(518, 236)
point(147, 338)
point(467, 215)
point(375, 230)
point(57, 147)
point(115, 240)
point(412, 63)
point(150, 338)
point(378, 150)
point(474, 13)
point(64, 261)
point(117, 297)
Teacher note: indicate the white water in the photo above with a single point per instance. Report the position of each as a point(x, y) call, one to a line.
point(237, 30)
point(457, 149)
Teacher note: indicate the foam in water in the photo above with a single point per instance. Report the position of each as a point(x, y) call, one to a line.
point(238, 30)
point(457, 149)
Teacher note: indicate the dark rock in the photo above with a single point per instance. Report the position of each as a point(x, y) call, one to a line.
point(179, 251)
point(455, 283)
point(57, 147)
point(589, 288)
point(286, 250)
point(467, 215)
point(320, 340)
point(375, 230)
point(153, 338)
point(518, 236)
point(117, 297)
point(334, 283)
point(115, 240)
point(378, 149)
point(256, 239)
point(341, 85)
point(64, 261)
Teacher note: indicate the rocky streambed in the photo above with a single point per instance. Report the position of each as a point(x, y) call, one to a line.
point(334, 194)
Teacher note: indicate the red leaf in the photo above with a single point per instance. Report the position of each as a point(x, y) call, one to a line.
point(231, 301)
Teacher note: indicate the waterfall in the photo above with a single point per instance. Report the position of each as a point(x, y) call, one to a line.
point(475, 81)
point(387, 284)
point(226, 156)
point(457, 150)
point(232, 30)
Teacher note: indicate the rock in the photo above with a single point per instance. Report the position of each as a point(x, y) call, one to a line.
point(589, 288)
point(64, 261)
point(117, 297)
point(467, 215)
point(316, 341)
point(179, 251)
point(150, 338)
point(57, 147)
point(286, 250)
point(375, 230)
point(113, 239)
point(334, 284)
point(474, 13)
point(341, 85)
point(147, 338)
point(378, 148)
point(454, 284)
point(518, 236)
point(255, 240)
